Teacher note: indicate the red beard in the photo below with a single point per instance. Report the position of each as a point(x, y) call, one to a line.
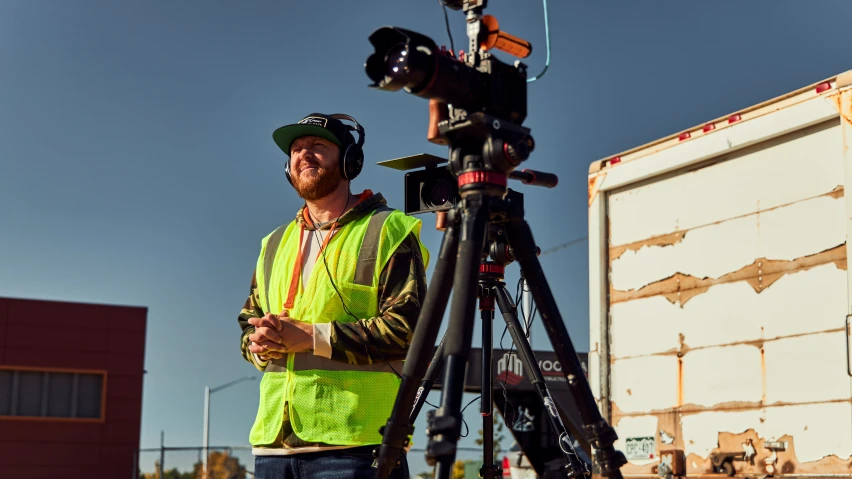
point(321, 183)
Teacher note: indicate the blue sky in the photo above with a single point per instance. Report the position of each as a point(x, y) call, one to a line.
point(137, 165)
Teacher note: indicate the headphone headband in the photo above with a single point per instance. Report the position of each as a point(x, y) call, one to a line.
point(357, 128)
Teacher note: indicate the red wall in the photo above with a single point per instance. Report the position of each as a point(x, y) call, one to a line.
point(49, 334)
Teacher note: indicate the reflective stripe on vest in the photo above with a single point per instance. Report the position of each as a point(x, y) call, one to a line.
point(370, 247)
point(269, 258)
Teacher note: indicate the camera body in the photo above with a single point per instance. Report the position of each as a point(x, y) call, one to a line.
point(430, 189)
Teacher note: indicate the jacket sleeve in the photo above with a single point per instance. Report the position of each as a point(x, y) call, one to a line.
point(251, 309)
point(402, 287)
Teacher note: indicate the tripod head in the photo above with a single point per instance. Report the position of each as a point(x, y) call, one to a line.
point(498, 253)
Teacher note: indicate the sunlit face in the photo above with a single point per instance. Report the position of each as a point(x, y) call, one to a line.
point(314, 167)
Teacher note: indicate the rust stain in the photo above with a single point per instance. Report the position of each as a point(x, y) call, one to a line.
point(758, 343)
point(670, 239)
point(728, 406)
point(679, 382)
point(785, 461)
point(594, 184)
point(680, 288)
point(843, 103)
point(616, 413)
point(763, 375)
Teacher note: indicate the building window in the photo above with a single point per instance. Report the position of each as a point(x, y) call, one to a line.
point(29, 393)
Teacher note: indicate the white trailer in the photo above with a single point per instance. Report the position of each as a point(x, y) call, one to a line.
point(720, 294)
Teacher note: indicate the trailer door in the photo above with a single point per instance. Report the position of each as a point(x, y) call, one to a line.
point(728, 294)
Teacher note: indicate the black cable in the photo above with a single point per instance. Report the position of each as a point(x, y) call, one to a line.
point(563, 245)
point(509, 416)
point(339, 295)
point(471, 402)
point(449, 33)
point(464, 423)
point(322, 253)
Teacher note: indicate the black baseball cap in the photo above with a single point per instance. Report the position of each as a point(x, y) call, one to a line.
point(315, 124)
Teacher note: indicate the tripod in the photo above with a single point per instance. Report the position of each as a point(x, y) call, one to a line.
point(492, 289)
point(484, 151)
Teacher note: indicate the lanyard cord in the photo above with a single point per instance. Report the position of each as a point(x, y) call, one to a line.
point(322, 253)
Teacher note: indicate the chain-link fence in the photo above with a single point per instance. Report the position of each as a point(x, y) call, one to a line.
point(233, 462)
point(237, 462)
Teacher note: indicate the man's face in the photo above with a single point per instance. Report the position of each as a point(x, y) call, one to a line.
point(314, 167)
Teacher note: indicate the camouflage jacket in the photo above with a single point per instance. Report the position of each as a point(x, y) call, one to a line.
point(401, 289)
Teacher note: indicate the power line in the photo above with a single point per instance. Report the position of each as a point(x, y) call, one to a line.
point(564, 245)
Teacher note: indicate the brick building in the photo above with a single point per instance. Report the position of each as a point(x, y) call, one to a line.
point(71, 379)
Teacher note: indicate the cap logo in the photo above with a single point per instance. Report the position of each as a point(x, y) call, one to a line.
point(314, 120)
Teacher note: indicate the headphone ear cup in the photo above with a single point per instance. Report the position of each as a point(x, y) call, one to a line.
point(287, 172)
point(353, 161)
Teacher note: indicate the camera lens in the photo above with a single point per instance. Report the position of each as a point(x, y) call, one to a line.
point(398, 61)
point(408, 60)
point(437, 193)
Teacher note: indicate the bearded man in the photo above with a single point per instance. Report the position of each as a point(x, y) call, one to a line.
point(332, 308)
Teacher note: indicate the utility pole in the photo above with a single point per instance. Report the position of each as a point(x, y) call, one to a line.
point(162, 454)
point(206, 439)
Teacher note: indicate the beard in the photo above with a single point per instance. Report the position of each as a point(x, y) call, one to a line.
point(323, 183)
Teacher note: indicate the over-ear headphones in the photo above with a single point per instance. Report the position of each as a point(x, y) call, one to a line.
point(351, 153)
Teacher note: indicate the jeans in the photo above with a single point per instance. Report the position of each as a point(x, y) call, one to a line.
point(354, 463)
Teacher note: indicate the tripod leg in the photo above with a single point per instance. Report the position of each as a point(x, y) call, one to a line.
point(428, 381)
point(445, 425)
point(575, 466)
point(401, 421)
point(599, 433)
point(486, 307)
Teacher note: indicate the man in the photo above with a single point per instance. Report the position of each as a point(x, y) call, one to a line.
point(332, 309)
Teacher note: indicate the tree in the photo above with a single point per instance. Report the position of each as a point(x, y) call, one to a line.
point(167, 474)
point(498, 436)
point(458, 469)
point(221, 466)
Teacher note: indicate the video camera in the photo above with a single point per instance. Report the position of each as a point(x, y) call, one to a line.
point(464, 92)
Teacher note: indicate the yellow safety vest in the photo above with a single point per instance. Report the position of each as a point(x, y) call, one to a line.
point(330, 401)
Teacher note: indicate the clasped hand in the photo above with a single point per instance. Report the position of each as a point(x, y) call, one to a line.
point(276, 335)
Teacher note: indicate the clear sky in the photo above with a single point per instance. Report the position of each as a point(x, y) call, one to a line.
point(137, 165)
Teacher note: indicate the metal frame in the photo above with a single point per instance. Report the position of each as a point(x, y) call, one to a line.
point(45, 386)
